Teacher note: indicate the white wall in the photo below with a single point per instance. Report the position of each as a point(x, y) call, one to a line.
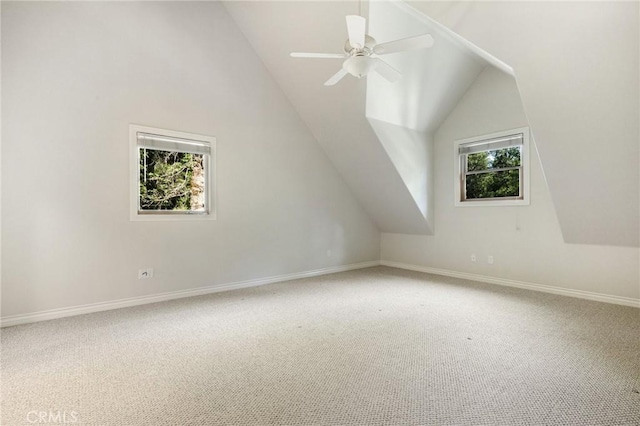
point(578, 69)
point(405, 114)
point(526, 241)
point(336, 115)
point(74, 75)
point(410, 151)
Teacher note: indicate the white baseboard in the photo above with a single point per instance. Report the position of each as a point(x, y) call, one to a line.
point(599, 297)
point(161, 297)
point(143, 300)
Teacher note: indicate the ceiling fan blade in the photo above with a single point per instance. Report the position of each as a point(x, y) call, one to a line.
point(388, 72)
point(418, 42)
point(356, 27)
point(336, 77)
point(317, 55)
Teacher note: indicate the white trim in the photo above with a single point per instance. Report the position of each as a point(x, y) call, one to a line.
point(580, 294)
point(154, 298)
point(455, 37)
point(134, 176)
point(457, 170)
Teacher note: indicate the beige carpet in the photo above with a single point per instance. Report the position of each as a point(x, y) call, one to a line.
point(378, 346)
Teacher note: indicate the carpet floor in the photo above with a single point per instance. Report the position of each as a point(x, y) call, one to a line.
point(377, 346)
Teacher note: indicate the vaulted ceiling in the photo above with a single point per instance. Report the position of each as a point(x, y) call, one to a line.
point(379, 135)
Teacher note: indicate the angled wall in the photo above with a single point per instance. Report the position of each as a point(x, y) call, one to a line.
point(377, 134)
point(74, 75)
point(577, 68)
point(526, 242)
point(406, 113)
point(411, 153)
point(335, 115)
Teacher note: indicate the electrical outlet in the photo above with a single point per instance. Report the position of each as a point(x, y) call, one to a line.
point(473, 257)
point(329, 253)
point(144, 274)
point(490, 260)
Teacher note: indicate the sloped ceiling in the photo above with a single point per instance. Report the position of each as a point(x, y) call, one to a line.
point(577, 67)
point(377, 141)
point(576, 64)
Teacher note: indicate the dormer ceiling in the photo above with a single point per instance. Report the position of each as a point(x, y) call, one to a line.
point(379, 134)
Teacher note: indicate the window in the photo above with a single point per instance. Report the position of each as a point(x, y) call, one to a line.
point(171, 175)
point(493, 170)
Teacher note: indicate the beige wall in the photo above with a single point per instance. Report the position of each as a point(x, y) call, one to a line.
point(525, 241)
point(74, 75)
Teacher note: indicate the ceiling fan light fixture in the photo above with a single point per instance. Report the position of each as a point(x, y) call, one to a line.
point(362, 50)
point(358, 66)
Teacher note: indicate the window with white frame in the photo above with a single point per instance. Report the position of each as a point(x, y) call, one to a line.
point(493, 169)
point(171, 175)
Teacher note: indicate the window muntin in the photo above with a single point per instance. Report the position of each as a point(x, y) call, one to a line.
point(171, 174)
point(492, 174)
point(492, 169)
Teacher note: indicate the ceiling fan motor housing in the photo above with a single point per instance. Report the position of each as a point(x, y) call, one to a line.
point(367, 49)
point(361, 52)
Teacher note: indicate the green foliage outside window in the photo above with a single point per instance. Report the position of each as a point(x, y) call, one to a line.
point(171, 180)
point(493, 182)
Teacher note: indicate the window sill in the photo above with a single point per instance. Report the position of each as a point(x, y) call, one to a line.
point(492, 203)
point(135, 217)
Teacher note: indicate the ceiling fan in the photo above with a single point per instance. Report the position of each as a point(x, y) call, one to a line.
point(361, 52)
